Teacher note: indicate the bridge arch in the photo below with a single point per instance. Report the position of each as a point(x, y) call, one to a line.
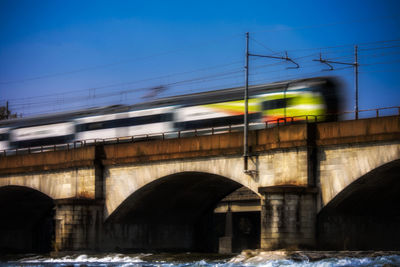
point(27, 223)
point(340, 166)
point(57, 184)
point(174, 212)
point(127, 179)
point(182, 191)
point(366, 213)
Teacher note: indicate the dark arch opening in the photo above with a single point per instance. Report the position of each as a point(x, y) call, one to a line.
point(26, 223)
point(366, 214)
point(174, 213)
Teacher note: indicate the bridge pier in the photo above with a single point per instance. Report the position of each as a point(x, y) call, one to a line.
point(288, 217)
point(78, 224)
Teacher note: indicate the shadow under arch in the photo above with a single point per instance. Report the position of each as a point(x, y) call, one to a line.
point(27, 223)
point(366, 214)
point(173, 213)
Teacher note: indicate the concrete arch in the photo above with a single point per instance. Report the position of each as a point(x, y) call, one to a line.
point(180, 196)
point(376, 192)
point(27, 220)
point(340, 166)
point(61, 184)
point(365, 215)
point(174, 212)
point(127, 179)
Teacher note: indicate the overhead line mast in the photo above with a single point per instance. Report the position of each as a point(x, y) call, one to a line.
point(355, 65)
point(246, 110)
point(246, 101)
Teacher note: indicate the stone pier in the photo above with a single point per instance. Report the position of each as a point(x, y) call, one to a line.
point(78, 224)
point(288, 217)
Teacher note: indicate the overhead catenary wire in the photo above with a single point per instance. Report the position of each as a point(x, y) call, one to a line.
point(253, 81)
point(138, 81)
point(264, 46)
point(128, 91)
point(54, 97)
point(85, 90)
point(217, 78)
point(78, 70)
point(182, 73)
point(204, 82)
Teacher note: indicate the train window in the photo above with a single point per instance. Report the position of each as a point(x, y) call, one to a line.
point(126, 122)
point(4, 137)
point(95, 126)
point(275, 104)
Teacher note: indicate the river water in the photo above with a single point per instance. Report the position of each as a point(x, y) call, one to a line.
point(248, 259)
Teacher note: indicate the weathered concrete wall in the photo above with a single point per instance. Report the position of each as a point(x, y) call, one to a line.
point(281, 158)
point(127, 179)
point(210, 146)
point(288, 217)
point(347, 150)
point(58, 174)
point(286, 166)
point(342, 165)
point(283, 167)
point(78, 225)
point(67, 183)
point(53, 160)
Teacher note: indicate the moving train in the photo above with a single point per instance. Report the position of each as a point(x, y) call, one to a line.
point(267, 102)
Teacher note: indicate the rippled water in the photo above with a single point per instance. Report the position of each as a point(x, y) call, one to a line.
point(248, 259)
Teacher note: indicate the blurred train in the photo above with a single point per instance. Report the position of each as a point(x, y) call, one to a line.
point(267, 102)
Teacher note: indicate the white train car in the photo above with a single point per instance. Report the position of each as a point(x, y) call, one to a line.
point(219, 110)
point(4, 144)
point(42, 135)
point(125, 124)
point(40, 131)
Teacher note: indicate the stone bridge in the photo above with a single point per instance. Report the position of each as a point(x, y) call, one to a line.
point(327, 185)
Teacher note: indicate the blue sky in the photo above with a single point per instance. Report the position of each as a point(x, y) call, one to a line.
point(64, 55)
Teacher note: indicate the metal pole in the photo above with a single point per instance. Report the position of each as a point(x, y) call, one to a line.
point(356, 79)
point(7, 112)
point(284, 101)
point(246, 111)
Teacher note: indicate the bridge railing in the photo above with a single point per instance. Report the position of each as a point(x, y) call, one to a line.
point(362, 114)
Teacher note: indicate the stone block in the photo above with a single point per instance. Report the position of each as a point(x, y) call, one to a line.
point(225, 245)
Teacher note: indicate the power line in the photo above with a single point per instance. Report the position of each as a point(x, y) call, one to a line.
point(345, 45)
point(380, 63)
point(131, 82)
point(379, 48)
point(261, 44)
point(270, 79)
point(197, 80)
point(168, 76)
point(236, 73)
point(201, 79)
point(110, 94)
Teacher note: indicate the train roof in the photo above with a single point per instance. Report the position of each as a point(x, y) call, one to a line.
point(225, 94)
point(58, 117)
point(228, 94)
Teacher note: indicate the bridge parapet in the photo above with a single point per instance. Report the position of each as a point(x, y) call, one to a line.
point(358, 131)
point(46, 161)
